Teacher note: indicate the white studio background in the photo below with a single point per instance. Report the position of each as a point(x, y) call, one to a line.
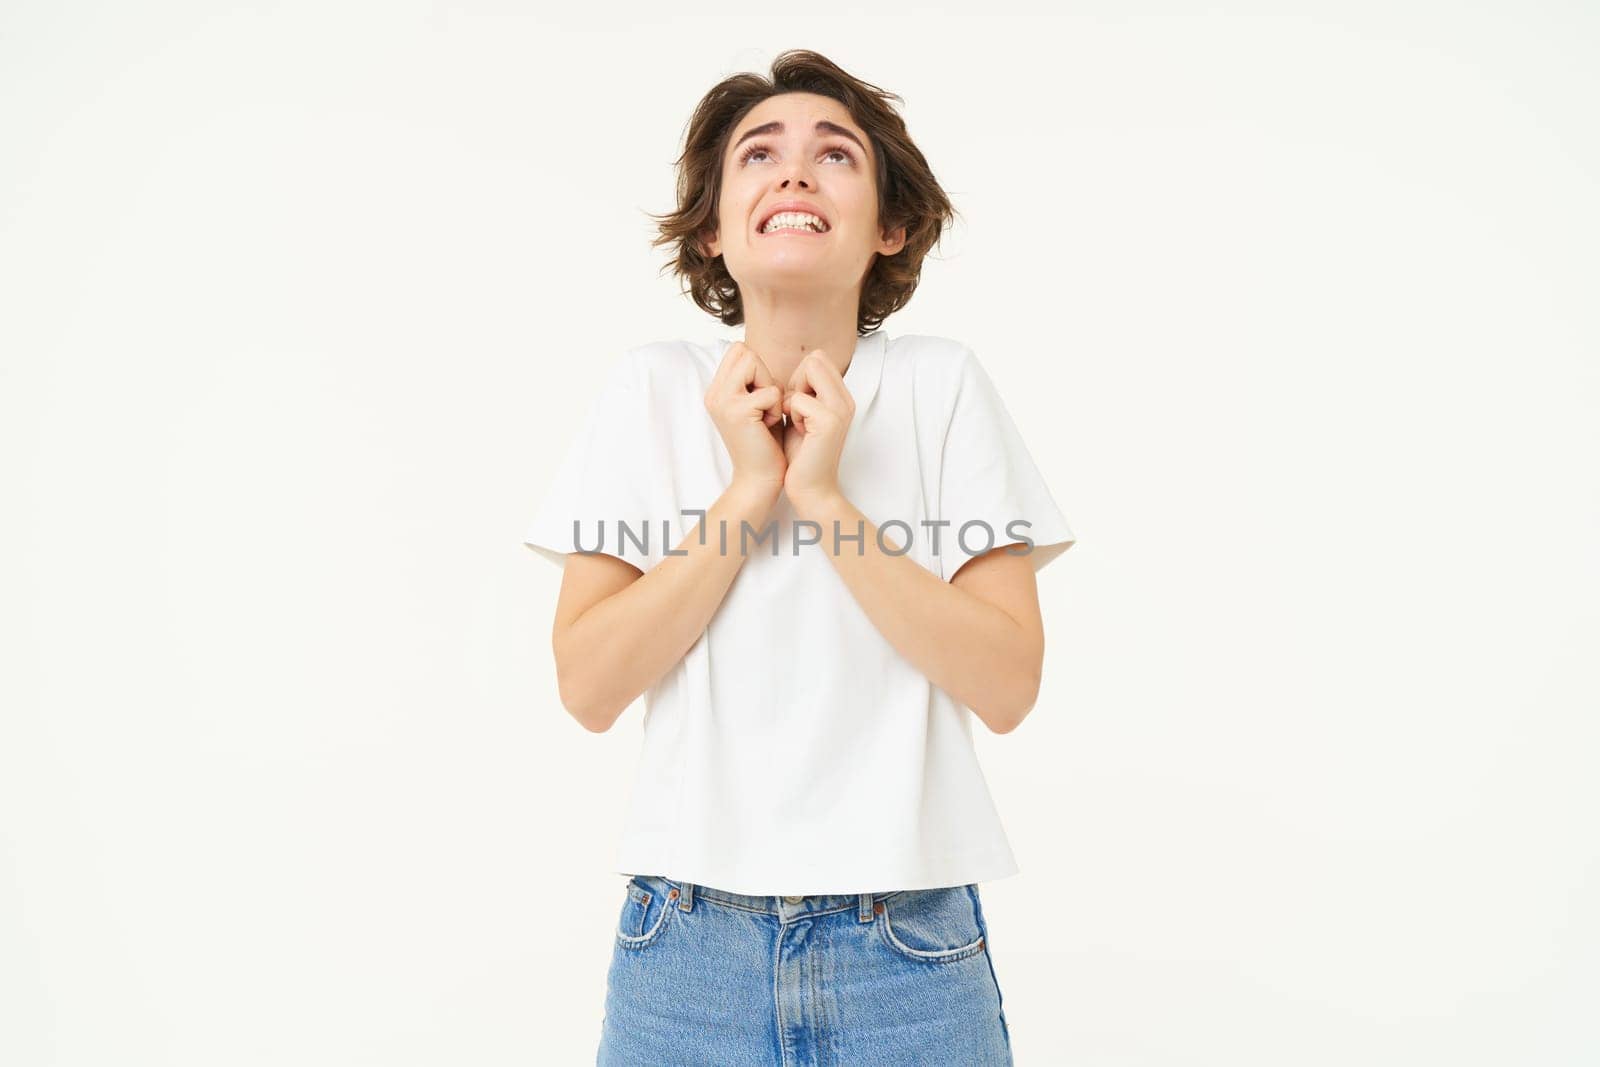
point(1294, 305)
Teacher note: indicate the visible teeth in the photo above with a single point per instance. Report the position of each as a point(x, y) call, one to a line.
point(793, 218)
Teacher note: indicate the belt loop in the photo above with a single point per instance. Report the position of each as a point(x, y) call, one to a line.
point(686, 898)
point(864, 907)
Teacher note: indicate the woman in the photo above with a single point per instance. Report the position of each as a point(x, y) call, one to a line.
point(795, 545)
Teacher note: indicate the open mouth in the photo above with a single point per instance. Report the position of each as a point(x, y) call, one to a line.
point(793, 222)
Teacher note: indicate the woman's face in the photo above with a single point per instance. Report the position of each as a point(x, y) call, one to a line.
point(805, 149)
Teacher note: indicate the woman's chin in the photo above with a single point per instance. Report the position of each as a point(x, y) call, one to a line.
point(787, 270)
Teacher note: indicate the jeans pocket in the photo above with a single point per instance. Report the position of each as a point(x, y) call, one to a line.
point(646, 907)
point(931, 925)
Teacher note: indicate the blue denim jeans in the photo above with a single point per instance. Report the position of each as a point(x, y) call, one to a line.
point(702, 977)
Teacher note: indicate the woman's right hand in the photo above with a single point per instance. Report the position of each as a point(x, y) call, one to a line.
point(746, 403)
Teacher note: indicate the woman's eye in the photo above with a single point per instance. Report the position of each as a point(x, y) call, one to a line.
point(762, 150)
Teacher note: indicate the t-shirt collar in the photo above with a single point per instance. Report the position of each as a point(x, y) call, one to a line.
point(861, 377)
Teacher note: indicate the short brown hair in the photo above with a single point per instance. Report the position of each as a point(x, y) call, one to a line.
point(908, 194)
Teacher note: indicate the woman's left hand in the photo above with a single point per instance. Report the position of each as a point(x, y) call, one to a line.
point(820, 410)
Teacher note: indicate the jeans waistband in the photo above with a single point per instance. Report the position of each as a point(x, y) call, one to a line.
point(784, 907)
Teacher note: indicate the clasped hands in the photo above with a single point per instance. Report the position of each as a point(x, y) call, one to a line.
point(800, 455)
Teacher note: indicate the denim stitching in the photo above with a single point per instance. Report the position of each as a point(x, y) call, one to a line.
point(701, 894)
point(632, 941)
point(1000, 998)
point(943, 956)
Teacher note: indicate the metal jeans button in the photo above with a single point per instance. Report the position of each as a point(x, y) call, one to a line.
point(793, 900)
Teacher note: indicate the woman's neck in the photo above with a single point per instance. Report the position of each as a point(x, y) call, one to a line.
point(784, 330)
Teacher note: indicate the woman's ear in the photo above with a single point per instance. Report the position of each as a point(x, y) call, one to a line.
point(893, 241)
point(710, 244)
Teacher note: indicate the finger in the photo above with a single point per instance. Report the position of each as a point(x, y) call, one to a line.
point(828, 383)
point(764, 402)
point(763, 375)
point(817, 377)
point(751, 369)
point(797, 378)
point(807, 408)
point(739, 370)
point(755, 375)
point(759, 382)
point(741, 365)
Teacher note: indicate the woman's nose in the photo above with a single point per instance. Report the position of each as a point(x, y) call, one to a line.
point(795, 171)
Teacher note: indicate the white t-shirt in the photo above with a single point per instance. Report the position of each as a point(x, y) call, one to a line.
point(793, 750)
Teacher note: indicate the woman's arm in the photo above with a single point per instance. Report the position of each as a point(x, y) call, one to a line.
point(979, 636)
point(618, 629)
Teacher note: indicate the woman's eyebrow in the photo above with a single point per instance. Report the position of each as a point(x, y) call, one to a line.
point(823, 126)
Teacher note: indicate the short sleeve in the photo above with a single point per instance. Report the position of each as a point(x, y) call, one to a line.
point(600, 499)
point(989, 485)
